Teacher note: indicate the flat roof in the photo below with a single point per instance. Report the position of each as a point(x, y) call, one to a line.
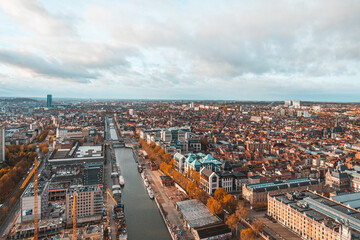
point(278, 183)
point(196, 213)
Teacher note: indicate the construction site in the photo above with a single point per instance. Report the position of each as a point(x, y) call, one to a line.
point(69, 199)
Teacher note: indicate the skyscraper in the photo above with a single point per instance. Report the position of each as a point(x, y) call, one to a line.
point(49, 100)
point(2, 144)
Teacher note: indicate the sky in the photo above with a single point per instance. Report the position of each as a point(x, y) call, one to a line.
point(206, 50)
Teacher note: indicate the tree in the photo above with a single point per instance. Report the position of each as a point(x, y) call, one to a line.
point(214, 206)
point(242, 212)
point(219, 194)
point(258, 226)
point(232, 221)
point(229, 203)
point(247, 234)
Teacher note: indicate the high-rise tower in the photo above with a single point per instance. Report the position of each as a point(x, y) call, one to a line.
point(49, 100)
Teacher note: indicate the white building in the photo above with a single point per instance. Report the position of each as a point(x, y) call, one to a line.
point(61, 132)
point(27, 201)
point(287, 103)
point(296, 103)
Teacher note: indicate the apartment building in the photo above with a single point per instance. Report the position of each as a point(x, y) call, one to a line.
point(231, 182)
point(314, 217)
point(89, 204)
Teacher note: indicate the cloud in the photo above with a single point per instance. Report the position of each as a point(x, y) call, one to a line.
point(250, 49)
point(46, 67)
point(34, 16)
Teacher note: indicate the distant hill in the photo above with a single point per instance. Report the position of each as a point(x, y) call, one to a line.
point(17, 100)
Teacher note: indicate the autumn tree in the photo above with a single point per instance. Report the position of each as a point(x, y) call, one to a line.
point(232, 221)
point(214, 206)
point(247, 234)
point(219, 194)
point(229, 203)
point(242, 212)
point(258, 226)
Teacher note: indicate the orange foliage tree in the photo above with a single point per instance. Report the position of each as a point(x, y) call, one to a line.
point(214, 206)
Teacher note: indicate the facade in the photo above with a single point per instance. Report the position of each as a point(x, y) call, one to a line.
point(27, 201)
point(89, 204)
point(314, 217)
point(2, 145)
point(258, 193)
point(209, 181)
point(49, 100)
point(343, 178)
point(93, 174)
point(232, 182)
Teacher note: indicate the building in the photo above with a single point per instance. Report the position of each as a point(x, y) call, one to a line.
point(49, 100)
point(27, 201)
point(89, 204)
point(343, 178)
point(2, 144)
point(350, 200)
point(197, 162)
point(201, 222)
point(287, 103)
point(209, 181)
point(296, 103)
point(77, 155)
point(93, 174)
point(231, 181)
point(314, 217)
point(258, 193)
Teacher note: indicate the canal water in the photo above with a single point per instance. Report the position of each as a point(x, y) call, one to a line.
point(143, 218)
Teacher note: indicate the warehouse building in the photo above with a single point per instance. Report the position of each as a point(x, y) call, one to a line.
point(201, 222)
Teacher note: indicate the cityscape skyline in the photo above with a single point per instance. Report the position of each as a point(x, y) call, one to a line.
point(180, 50)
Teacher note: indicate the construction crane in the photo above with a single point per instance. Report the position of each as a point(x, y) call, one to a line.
point(109, 195)
point(29, 176)
point(74, 214)
point(36, 220)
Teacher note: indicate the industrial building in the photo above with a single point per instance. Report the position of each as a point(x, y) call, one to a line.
point(201, 222)
point(315, 217)
point(89, 204)
point(77, 155)
point(27, 201)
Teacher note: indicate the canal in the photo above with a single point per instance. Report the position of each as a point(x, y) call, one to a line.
point(142, 215)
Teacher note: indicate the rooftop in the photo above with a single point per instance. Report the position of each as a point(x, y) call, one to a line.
point(196, 213)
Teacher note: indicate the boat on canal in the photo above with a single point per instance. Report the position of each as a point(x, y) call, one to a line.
point(146, 182)
point(150, 192)
point(121, 181)
point(140, 169)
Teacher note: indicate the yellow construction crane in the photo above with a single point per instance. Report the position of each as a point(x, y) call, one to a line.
point(74, 214)
point(109, 195)
point(36, 228)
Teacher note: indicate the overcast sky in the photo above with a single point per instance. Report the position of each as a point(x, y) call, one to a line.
point(241, 50)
